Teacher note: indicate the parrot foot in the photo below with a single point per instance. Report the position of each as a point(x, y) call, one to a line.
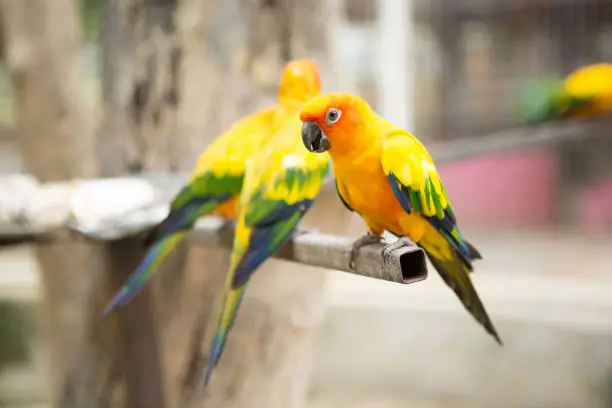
point(401, 242)
point(364, 240)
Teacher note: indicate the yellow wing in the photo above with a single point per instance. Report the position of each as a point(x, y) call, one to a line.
point(228, 153)
point(417, 185)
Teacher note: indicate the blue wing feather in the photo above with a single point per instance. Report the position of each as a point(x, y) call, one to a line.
point(268, 236)
point(445, 225)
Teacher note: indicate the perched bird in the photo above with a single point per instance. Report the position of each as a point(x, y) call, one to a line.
point(280, 185)
point(585, 92)
point(386, 175)
point(216, 182)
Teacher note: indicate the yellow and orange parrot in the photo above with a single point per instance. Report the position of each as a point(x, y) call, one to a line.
point(583, 93)
point(280, 185)
point(386, 175)
point(216, 182)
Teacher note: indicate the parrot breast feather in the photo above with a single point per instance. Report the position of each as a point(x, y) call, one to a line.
point(417, 186)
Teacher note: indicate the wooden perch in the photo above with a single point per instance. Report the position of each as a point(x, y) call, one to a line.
point(405, 265)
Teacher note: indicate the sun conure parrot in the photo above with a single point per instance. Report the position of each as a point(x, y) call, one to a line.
point(585, 92)
point(386, 175)
point(216, 182)
point(280, 185)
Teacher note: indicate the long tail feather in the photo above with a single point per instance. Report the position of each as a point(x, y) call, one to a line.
point(163, 240)
point(145, 270)
point(225, 320)
point(263, 241)
point(454, 270)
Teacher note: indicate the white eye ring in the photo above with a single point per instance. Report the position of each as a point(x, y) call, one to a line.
point(332, 116)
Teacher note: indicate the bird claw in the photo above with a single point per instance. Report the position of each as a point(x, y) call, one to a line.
point(401, 242)
point(362, 241)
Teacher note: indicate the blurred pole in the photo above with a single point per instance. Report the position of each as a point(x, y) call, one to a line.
point(343, 78)
point(449, 30)
point(396, 61)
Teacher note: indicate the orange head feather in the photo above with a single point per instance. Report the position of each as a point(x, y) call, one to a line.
point(334, 120)
point(300, 81)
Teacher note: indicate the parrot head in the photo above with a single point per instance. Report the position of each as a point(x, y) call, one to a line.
point(328, 119)
point(300, 80)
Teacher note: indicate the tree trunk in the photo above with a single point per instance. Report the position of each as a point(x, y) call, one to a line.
point(176, 77)
point(267, 359)
point(54, 125)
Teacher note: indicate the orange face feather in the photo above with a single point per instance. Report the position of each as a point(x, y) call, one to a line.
point(347, 122)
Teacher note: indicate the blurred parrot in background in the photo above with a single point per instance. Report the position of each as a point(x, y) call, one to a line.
point(585, 92)
point(280, 185)
point(215, 184)
point(386, 175)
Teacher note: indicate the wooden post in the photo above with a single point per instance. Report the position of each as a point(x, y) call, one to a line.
point(140, 73)
point(139, 343)
point(54, 126)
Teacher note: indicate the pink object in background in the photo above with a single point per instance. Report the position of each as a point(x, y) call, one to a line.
point(596, 206)
point(515, 189)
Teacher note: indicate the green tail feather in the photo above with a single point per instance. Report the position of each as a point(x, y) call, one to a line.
point(225, 321)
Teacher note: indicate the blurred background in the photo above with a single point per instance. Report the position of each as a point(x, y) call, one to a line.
point(98, 88)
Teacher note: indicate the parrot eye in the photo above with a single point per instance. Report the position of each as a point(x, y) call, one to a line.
point(332, 116)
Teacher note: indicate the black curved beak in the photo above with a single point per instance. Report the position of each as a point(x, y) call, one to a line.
point(314, 139)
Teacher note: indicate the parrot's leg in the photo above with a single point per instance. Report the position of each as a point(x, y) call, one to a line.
point(364, 240)
point(401, 242)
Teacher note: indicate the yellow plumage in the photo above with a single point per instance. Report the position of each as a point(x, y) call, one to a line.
point(227, 154)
